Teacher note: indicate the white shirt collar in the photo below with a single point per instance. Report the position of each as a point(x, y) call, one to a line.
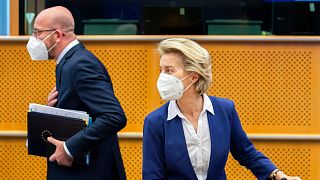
point(66, 49)
point(173, 109)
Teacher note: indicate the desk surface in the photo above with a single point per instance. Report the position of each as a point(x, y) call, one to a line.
point(200, 38)
point(233, 21)
point(109, 21)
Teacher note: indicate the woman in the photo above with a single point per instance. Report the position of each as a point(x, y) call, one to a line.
point(190, 136)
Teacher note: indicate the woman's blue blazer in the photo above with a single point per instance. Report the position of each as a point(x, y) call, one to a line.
point(165, 154)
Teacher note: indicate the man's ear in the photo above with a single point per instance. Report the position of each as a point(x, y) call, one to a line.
point(60, 35)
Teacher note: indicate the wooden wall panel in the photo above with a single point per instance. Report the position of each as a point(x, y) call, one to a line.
point(274, 84)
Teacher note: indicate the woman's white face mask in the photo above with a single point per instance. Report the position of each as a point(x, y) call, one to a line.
point(37, 49)
point(170, 87)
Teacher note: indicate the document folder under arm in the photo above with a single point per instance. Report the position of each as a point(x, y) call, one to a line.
point(41, 126)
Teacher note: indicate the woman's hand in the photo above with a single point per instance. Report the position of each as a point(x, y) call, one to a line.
point(282, 176)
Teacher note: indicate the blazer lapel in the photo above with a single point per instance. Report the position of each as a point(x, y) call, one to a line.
point(214, 144)
point(219, 139)
point(177, 141)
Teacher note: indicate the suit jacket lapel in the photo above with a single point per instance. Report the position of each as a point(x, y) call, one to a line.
point(62, 61)
point(58, 73)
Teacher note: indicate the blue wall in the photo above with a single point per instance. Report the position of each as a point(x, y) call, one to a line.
point(4, 17)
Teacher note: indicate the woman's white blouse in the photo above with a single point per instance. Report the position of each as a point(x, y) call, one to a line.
point(198, 141)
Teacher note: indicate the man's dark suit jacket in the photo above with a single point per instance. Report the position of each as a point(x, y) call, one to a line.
point(165, 153)
point(84, 84)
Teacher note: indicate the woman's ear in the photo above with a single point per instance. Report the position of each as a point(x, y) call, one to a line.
point(195, 77)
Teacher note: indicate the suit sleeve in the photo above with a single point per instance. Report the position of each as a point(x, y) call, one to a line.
point(245, 153)
point(93, 87)
point(153, 165)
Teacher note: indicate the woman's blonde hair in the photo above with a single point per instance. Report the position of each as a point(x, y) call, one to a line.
point(195, 59)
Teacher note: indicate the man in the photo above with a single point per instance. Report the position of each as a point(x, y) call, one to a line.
point(82, 83)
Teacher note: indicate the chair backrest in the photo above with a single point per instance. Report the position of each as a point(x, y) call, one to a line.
point(126, 29)
point(110, 26)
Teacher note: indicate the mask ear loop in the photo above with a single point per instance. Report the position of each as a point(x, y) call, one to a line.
point(192, 82)
point(47, 38)
point(52, 47)
point(49, 35)
point(187, 87)
point(186, 76)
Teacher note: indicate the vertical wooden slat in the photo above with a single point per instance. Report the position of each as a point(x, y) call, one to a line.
point(14, 17)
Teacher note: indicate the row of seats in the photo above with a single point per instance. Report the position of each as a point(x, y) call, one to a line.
point(129, 27)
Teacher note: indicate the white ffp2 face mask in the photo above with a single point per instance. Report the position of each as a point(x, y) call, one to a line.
point(170, 87)
point(37, 49)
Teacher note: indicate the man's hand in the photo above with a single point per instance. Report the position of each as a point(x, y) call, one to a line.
point(52, 98)
point(60, 155)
